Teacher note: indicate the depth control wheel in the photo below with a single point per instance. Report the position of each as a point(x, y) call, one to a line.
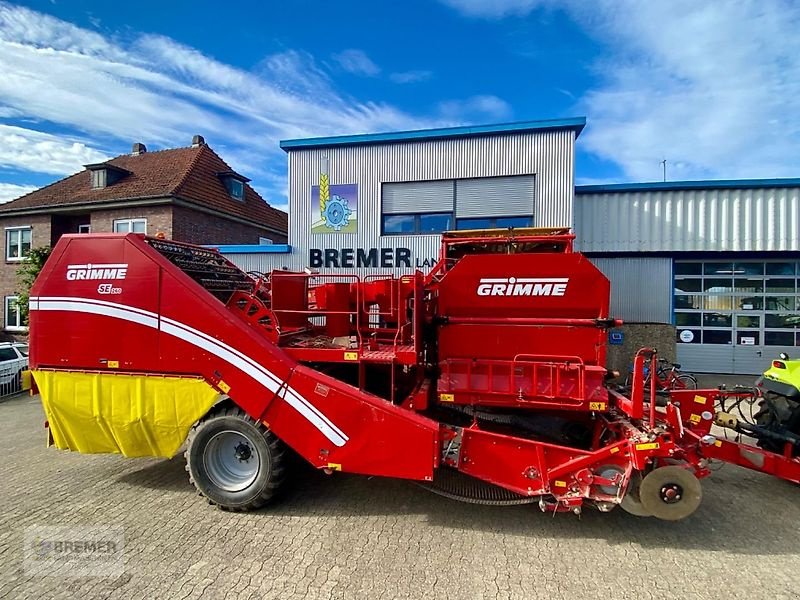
point(631, 503)
point(670, 493)
point(233, 462)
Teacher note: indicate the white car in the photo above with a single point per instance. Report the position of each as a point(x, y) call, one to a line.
point(13, 360)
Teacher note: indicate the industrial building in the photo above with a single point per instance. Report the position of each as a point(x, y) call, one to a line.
point(718, 260)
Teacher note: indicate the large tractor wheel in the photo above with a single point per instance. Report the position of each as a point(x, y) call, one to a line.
point(775, 412)
point(233, 462)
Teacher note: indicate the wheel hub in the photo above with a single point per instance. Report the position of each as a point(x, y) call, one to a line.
point(231, 462)
point(671, 493)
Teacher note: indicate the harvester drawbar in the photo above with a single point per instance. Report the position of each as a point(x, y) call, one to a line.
point(484, 380)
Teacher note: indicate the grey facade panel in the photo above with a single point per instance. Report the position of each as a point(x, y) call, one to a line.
point(742, 220)
point(641, 288)
point(417, 197)
point(549, 156)
point(495, 196)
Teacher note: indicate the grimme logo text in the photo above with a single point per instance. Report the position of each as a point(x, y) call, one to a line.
point(523, 286)
point(100, 271)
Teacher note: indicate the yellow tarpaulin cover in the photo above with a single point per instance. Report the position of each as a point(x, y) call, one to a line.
point(135, 415)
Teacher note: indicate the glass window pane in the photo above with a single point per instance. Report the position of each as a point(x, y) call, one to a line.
point(121, 226)
point(719, 302)
point(779, 338)
point(748, 303)
point(688, 285)
point(748, 321)
point(718, 268)
point(748, 268)
point(716, 337)
point(780, 285)
point(688, 268)
point(434, 222)
point(7, 354)
point(682, 301)
point(688, 336)
point(785, 268)
point(503, 222)
point(782, 321)
point(12, 248)
point(398, 223)
point(140, 226)
point(23, 350)
point(748, 338)
point(717, 320)
point(781, 302)
point(750, 286)
point(717, 286)
point(687, 319)
point(474, 223)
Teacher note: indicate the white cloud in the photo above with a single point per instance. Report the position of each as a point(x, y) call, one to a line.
point(12, 191)
point(711, 87)
point(495, 9)
point(411, 76)
point(476, 108)
point(154, 90)
point(39, 152)
point(357, 62)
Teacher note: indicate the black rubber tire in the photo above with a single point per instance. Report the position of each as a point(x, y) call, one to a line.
point(766, 417)
point(271, 452)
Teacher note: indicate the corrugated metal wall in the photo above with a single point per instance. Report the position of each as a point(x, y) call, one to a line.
point(690, 220)
point(549, 155)
point(641, 288)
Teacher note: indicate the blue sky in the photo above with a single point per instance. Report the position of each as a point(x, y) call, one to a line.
point(711, 87)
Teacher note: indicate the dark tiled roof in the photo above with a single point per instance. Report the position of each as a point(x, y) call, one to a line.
point(186, 173)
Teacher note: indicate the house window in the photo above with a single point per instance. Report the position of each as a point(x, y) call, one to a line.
point(235, 187)
point(18, 243)
point(84, 228)
point(13, 318)
point(130, 226)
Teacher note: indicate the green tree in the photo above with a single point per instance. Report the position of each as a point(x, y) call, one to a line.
point(26, 275)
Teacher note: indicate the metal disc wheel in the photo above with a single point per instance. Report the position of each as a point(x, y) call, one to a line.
point(233, 461)
point(670, 493)
point(631, 503)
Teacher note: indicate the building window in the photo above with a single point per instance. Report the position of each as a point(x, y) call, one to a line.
point(235, 187)
point(130, 226)
point(13, 318)
point(419, 207)
point(18, 243)
point(411, 224)
point(85, 228)
point(745, 303)
point(493, 222)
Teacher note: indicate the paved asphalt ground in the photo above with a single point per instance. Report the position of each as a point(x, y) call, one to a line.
point(352, 537)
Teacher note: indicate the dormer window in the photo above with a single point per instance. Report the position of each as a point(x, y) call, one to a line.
point(234, 184)
point(105, 174)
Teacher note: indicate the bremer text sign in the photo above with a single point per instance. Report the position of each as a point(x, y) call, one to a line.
point(351, 258)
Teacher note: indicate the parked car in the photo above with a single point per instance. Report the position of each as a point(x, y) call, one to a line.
point(13, 361)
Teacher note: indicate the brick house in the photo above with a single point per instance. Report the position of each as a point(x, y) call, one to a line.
point(188, 194)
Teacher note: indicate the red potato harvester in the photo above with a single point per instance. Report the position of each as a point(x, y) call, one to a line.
point(483, 380)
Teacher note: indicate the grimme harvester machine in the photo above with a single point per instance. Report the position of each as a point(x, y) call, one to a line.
point(485, 379)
